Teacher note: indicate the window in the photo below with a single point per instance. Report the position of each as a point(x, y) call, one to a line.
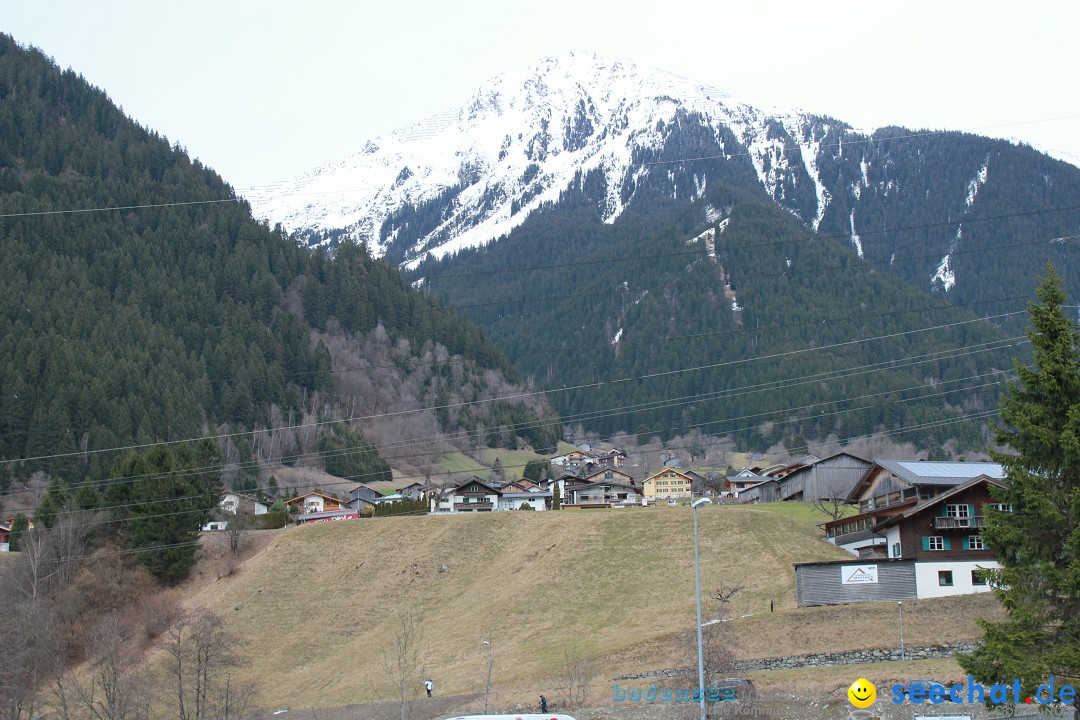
point(944, 578)
point(977, 577)
point(975, 542)
point(1001, 507)
point(935, 542)
point(956, 511)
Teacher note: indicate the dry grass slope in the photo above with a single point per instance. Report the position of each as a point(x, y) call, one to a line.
point(320, 605)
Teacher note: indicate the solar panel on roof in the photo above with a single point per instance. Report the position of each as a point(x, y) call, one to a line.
point(952, 469)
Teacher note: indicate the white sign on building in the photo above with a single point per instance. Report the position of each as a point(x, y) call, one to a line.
point(858, 574)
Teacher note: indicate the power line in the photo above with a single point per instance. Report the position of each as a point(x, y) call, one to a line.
point(534, 393)
point(353, 479)
point(887, 364)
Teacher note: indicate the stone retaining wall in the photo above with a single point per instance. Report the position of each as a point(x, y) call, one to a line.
point(852, 657)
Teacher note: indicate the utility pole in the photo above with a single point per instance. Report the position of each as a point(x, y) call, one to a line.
point(490, 662)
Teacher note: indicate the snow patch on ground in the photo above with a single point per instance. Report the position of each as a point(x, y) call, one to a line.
point(856, 242)
point(944, 275)
point(976, 182)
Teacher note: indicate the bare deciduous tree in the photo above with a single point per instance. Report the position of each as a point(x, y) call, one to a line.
point(117, 687)
point(719, 642)
point(832, 499)
point(575, 676)
point(404, 663)
point(235, 528)
point(202, 653)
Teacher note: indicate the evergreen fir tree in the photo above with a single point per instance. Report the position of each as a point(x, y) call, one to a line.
point(1038, 542)
point(19, 525)
point(172, 495)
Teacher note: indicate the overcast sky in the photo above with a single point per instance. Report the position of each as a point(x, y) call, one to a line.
point(263, 91)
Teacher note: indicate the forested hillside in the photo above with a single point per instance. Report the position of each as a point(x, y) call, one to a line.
point(141, 302)
point(727, 316)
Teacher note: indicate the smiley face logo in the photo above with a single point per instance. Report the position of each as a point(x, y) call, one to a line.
point(862, 693)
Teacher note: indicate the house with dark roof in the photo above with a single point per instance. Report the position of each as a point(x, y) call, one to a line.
point(601, 493)
point(473, 495)
point(932, 547)
point(827, 478)
point(942, 535)
point(890, 487)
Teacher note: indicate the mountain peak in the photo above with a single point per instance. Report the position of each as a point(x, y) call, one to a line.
point(475, 172)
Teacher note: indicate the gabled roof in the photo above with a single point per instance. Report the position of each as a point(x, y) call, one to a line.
point(924, 472)
point(357, 486)
point(938, 499)
point(478, 481)
point(244, 496)
point(322, 495)
point(658, 473)
point(604, 471)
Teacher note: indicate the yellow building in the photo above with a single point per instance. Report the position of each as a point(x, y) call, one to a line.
point(668, 483)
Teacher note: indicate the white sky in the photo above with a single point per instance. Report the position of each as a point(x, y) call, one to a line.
point(262, 91)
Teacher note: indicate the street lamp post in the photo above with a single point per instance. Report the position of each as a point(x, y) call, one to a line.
point(697, 586)
point(900, 604)
point(490, 662)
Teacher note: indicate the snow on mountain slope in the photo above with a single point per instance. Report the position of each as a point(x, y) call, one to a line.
point(477, 171)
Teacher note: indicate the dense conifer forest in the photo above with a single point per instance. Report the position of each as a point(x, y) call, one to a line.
point(727, 316)
point(142, 303)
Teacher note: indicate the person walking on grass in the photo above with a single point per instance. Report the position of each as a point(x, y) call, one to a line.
point(429, 686)
point(543, 704)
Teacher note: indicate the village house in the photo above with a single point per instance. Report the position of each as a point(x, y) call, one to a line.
point(601, 493)
point(611, 459)
point(235, 502)
point(667, 483)
point(523, 496)
point(740, 481)
point(890, 487)
point(315, 502)
point(932, 548)
point(414, 491)
point(361, 497)
point(473, 495)
point(831, 477)
point(942, 535)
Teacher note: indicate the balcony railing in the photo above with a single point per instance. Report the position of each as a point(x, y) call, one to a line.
point(956, 523)
point(466, 506)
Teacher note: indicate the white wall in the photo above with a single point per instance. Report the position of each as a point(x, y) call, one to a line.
point(851, 546)
point(892, 537)
point(515, 503)
point(926, 577)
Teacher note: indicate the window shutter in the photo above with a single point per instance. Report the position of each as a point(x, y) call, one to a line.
point(947, 543)
point(964, 543)
point(971, 510)
point(925, 542)
point(944, 510)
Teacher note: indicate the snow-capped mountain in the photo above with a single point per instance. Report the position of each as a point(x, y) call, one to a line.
point(522, 139)
point(618, 133)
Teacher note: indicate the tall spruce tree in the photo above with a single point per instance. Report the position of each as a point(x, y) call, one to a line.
point(1038, 542)
point(172, 492)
